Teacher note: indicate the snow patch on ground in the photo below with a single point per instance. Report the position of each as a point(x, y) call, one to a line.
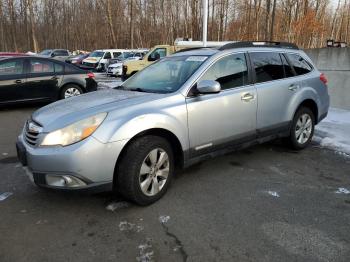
point(109, 84)
point(334, 131)
point(342, 190)
point(164, 219)
point(117, 205)
point(273, 193)
point(5, 195)
point(145, 252)
point(130, 227)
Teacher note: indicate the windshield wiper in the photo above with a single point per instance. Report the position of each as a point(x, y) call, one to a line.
point(119, 87)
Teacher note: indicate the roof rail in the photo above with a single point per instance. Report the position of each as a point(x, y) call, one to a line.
point(259, 44)
point(192, 48)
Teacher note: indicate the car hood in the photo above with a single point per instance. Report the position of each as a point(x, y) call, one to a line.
point(65, 112)
point(116, 65)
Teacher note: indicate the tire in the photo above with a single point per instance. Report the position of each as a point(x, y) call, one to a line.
point(73, 89)
point(304, 122)
point(136, 168)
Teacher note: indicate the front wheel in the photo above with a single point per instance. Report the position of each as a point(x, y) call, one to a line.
point(302, 129)
point(145, 170)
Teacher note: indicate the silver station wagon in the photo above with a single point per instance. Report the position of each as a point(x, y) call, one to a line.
point(182, 109)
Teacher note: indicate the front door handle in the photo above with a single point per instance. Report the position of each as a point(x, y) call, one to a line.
point(293, 87)
point(247, 97)
point(18, 81)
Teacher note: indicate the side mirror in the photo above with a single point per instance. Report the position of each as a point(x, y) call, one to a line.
point(53, 55)
point(208, 87)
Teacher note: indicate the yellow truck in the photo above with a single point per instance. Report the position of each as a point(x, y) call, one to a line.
point(159, 51)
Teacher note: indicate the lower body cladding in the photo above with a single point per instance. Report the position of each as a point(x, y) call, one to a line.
point(85, 166)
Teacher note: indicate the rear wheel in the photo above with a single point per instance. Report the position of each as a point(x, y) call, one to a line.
point(70, 90)
point(145, 170)
point(302, 129)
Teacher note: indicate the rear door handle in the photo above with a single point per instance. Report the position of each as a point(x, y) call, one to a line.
point(293, 87)
point(18, 81)
point(247, 97)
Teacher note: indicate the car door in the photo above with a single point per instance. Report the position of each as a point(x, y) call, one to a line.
point(42, 81)
point(275, 87)
point(12, 80)
point(226, 118)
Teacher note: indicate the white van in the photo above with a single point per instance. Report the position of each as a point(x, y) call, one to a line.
point(100, 58)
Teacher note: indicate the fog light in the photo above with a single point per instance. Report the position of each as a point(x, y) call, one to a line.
point(64, 181)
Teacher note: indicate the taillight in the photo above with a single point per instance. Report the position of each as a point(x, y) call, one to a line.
point(323, 78)
point(91, 75)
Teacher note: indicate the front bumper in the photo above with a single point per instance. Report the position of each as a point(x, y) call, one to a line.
point(114, 71)
point(89, 161)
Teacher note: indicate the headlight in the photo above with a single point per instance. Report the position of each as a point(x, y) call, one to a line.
point(74, 132)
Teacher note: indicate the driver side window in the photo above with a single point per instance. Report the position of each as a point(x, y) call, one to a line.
point(107, 55)
point(230, 71)
point(158, 53)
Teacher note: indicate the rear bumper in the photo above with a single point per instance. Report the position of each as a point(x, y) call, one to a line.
point(89, 162)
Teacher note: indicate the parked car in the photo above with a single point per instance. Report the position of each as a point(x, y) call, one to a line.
point(115, 67)
point(28, 78)
point(181, 110)
point(98, 59)
point(77, 59)
point(58, 54)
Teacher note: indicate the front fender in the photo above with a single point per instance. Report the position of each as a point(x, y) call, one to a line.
point(122, 129)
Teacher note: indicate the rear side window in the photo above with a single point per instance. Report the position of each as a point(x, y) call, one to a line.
point(71, 69)
point(230, 71)
point(300, 65)
point(59, 68)
point(268, 66)
point(14, 67)
point(40, 66)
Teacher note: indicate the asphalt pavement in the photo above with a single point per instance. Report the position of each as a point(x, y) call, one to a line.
point(265, 203)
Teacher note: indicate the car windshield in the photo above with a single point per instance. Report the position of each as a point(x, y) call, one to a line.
point(165, 76)
point(96, 54)
point(46, 52)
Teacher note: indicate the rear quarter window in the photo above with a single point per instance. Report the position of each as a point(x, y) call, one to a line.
point(301, 66)
point(71, 69)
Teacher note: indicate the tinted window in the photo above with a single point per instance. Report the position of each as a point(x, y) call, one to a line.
point(158, 53)
point(41, 66)
point(61, 53)
point(107, 55)
point(230, 71)
point(301, 67)
point(71, 69)
point(59, 68)
point(287, 68)
point(14, 67)
point(116, 54)
point(268, 66)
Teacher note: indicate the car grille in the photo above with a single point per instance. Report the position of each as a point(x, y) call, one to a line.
point(31, 132)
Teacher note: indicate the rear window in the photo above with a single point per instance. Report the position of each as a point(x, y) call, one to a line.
point(301, 66)
point(71, 69)
point(268, 66)
point(40, 66)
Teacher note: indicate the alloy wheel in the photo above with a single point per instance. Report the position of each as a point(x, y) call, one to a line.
point(154, 172)
point(303, 128)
